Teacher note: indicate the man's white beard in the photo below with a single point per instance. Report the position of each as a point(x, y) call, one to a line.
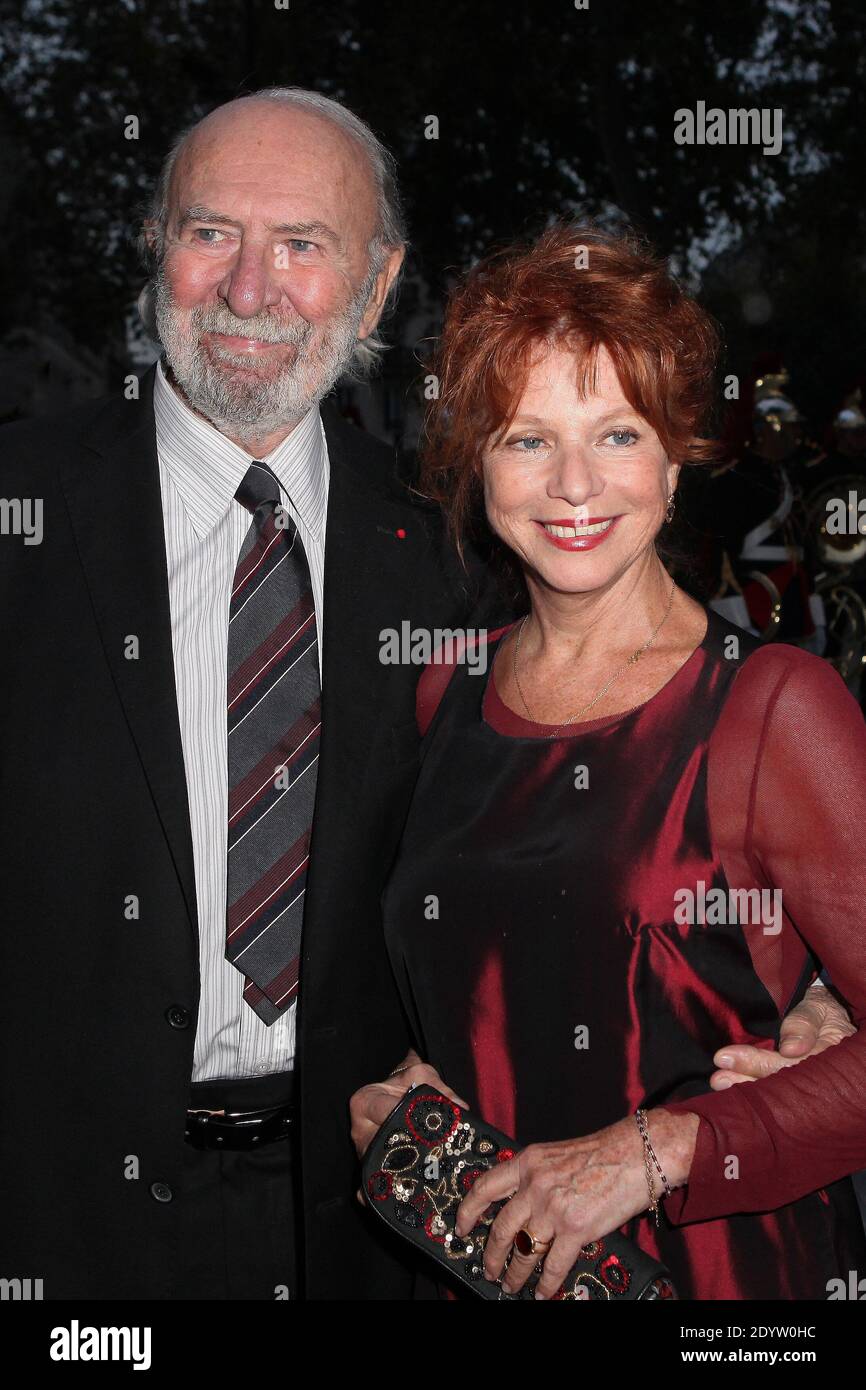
point(230, 393)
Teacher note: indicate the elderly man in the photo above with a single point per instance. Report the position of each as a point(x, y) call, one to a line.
point(205, 764)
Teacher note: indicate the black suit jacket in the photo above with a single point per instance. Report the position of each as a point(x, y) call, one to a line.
point(99, 957)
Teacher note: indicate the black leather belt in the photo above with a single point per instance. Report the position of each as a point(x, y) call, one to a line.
point(248, 1129)
point(240, 1115)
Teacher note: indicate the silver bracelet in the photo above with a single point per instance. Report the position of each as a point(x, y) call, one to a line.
point(649, 1153)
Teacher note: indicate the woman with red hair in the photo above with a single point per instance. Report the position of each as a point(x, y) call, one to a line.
point(637, 836)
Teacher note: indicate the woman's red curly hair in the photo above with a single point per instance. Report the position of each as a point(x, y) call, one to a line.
point(585, 288)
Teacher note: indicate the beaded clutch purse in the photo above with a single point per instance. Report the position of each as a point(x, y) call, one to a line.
point(424, 1160)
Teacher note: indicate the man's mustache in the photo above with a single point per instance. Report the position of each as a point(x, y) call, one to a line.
point(266, 329)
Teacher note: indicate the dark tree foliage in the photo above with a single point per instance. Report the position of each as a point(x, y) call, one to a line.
point(543, 110)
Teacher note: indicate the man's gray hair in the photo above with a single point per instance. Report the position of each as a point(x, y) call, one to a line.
point(390, 229)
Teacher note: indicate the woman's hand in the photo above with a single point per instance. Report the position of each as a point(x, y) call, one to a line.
point(572, 1192)
point(370, 1107)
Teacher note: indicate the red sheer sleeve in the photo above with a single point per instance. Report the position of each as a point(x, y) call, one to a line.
point(787, 805)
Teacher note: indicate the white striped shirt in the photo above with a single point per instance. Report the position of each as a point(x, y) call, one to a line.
point(199, 472)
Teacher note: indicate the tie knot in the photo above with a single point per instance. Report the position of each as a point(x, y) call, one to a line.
point(259, 485)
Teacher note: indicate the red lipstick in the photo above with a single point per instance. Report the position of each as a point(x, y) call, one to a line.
point(579, 542)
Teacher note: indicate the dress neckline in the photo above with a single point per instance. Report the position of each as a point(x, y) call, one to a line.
point(504, 720)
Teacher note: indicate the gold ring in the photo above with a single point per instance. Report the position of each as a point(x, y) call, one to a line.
point(526, 1244)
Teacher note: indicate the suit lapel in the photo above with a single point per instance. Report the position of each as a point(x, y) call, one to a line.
point(113, 495)
point(369, 572)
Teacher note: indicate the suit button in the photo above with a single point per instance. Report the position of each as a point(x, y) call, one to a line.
point(161, 1192)
point(177, 1017)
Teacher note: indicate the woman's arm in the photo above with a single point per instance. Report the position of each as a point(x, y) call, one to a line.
point(788, 810)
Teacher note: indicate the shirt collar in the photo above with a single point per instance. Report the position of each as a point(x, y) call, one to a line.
point(207, 468)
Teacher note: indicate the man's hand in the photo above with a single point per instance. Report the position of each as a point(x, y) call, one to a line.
point(371, 1106)
point(815, 1024)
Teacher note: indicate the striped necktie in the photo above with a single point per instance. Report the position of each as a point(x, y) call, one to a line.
point(274, 724)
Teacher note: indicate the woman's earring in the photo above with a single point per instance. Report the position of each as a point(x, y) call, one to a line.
point(669, 514)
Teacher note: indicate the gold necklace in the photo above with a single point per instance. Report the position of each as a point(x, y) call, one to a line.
point(635, 656)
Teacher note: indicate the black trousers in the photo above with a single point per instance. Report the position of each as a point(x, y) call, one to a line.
point(237, 1208)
